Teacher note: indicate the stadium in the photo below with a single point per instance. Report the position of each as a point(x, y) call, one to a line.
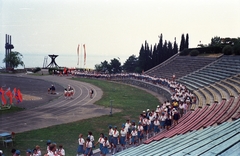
point(208, 127)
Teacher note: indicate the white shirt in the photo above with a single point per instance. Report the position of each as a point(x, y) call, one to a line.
point(110, 132)
point(145, 121)
point(105, 144)
point(156, 123)
point(81, 141)
point(162, 118)
point(127, 125)
point(115, 133)
point(50, 153)
point(123, 133)
point(140, 128)
point(91, 138)
point(62, 151)
point(101, 140)
point(89, 144)
point(134, 133)
point(39, 153)
point(151, 118)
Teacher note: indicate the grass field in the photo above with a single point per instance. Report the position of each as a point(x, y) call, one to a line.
point(130, 100)
point(13, 109)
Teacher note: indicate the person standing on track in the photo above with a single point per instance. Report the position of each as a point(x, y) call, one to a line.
point(91, 93)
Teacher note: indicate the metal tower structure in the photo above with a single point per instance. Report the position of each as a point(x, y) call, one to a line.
point(52, 64)
point(8, 48)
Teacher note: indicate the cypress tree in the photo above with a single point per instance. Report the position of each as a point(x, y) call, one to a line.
point(186, 42)
point(182, 44)
point(175, 47)
point(160, 49)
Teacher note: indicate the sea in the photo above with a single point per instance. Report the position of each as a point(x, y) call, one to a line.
point(63, 60)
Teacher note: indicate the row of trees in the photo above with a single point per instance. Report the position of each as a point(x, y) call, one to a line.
point(227, 46)
point(149, 56)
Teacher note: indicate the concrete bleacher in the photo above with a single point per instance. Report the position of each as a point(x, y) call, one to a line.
point(216, 81)
point(218, 140)
point(217, 88)
point(180, 66)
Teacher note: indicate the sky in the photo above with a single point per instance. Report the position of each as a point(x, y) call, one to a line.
point(109, 28)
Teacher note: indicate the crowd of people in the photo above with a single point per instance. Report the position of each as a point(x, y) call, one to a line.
point(149, 123)
point(51, 150)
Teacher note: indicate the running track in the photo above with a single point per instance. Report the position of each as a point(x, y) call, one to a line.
point(58, 111)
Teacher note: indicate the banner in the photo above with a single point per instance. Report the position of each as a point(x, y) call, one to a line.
point(84, 48)
point(78, 54)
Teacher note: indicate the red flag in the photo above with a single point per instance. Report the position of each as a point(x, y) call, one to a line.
point(2, 96)
point(19, 95)
point(9, 94)
point(13, 92)
point(65, 71)
point(84, 48)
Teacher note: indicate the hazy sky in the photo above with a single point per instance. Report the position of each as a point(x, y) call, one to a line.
point(111, 28)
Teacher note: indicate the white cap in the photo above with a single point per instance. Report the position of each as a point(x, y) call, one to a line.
point(148, 110)
point(157, 105)
point(143, 111)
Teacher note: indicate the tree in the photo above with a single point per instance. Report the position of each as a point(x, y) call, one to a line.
point(103, 67)
point(182, 44)
point(175, 46)
point(14, 59)
point(215, 41)
point(160, 49)
point(186, 42)
point(115, 66)
point(227, 50)
point(130, 64)
point(236, 47)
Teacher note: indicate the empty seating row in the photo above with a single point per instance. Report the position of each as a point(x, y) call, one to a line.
point(180, 66)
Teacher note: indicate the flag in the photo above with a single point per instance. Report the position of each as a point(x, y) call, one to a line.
point(78, 54)
point(19, 95)
point(9, 95)
point(13, 92)
point(2, 96)
point(65, 71)
point(84, 48)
